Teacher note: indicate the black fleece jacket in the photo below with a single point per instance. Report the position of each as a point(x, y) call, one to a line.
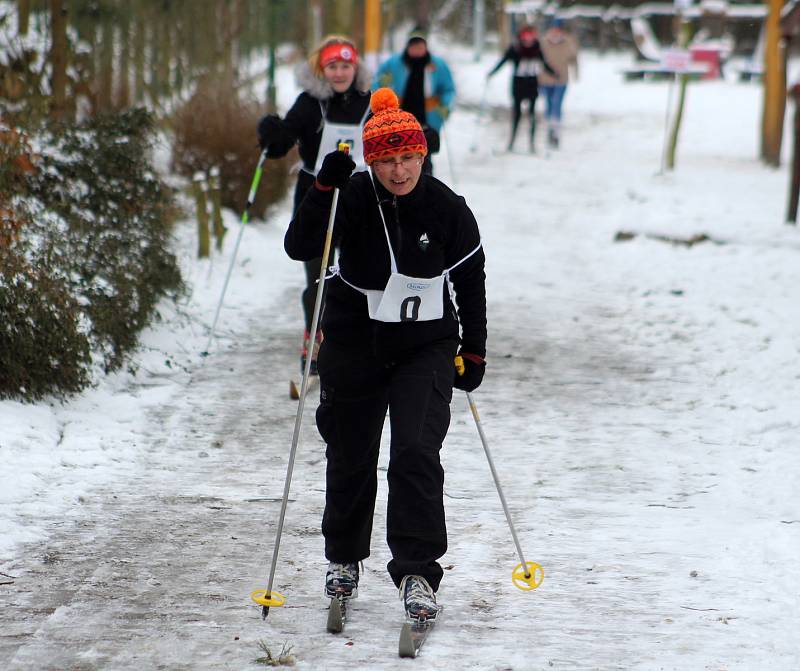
point(431, 229)
point(303, 122)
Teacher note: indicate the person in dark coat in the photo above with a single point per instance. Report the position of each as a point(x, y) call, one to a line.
point(526, 55)
point(333, 106)
point(392, 329)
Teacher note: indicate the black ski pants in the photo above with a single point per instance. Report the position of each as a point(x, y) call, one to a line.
point(356, 390)
point(522, 89)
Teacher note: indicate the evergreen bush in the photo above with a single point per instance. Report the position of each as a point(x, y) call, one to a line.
point(87, 222)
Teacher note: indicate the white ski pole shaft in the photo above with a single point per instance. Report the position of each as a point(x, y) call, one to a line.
point(245, 218)
point(303, 389)
point(474, 409)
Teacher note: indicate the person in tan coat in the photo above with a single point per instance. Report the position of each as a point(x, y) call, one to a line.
point(560, 48)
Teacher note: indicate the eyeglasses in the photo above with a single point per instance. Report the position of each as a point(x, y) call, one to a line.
point(407, 161)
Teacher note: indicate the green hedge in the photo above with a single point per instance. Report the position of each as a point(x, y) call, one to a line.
point(90, 259)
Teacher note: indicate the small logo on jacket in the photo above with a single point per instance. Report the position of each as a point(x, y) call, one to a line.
point(424, 242)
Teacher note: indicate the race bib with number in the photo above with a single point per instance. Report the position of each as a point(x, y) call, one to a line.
point(407, 299)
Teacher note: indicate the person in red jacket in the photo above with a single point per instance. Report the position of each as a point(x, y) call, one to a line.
point(392, 329)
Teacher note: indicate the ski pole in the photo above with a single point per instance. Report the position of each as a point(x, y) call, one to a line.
point(245, 217)
point(528, 575)
point(267, 597)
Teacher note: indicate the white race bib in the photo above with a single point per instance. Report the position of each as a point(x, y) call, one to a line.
point(407, 299)
point(528, 67)
point(335, 133)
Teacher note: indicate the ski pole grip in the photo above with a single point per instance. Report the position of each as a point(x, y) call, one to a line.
point(459, 361)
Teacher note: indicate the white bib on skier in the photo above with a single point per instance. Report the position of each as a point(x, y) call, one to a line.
point(406, 298)
point(528, 67)
point(349, 133)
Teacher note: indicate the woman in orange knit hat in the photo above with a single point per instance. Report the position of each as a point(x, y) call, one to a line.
point(333, 106)
point(391, 333)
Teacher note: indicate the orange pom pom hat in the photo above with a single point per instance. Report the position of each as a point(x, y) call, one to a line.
point(391, 131)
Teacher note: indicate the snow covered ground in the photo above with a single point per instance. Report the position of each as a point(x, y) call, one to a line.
point(641, 402)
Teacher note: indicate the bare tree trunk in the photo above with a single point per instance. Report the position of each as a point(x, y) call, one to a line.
point(502, 25)
point(23, 15)
point(315, 7)
point(343, 16)
point(139, 42)
point(272, 40)
point(223, 43)
point(124, 87)
point(164, 55)
point(180, 57)
point(153, 51)
point(424, 13)
point(239, 11)
point(106, 69)
point(58, 58)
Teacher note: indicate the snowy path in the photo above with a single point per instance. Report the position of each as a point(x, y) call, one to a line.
point(641, 405)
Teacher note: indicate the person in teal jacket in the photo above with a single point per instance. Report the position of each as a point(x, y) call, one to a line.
point(424, 85)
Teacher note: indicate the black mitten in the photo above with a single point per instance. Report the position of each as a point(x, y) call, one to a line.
point(469, 375)
point(336, 169)
point(431, 139)
point(270, 132)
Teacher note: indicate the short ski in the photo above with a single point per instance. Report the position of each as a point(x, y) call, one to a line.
point(413, 635)
point(294, 387)
point(337, 615)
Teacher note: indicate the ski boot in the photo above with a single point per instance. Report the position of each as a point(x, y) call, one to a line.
point(341, 581)
point(552, 138)
point(419, 599)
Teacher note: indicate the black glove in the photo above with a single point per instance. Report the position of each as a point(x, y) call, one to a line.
point(271, 132)
point(336, 169)
point(431, 139)
point(472, 375)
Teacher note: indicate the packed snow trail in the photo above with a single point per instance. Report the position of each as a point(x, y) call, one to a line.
point(641, 406)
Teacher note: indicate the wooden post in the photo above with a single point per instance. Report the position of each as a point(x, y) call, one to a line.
point(203, 239)
point(774, 87)
point(794, 191)
point(684, 37)
point(215, 192)
point(372, 33)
